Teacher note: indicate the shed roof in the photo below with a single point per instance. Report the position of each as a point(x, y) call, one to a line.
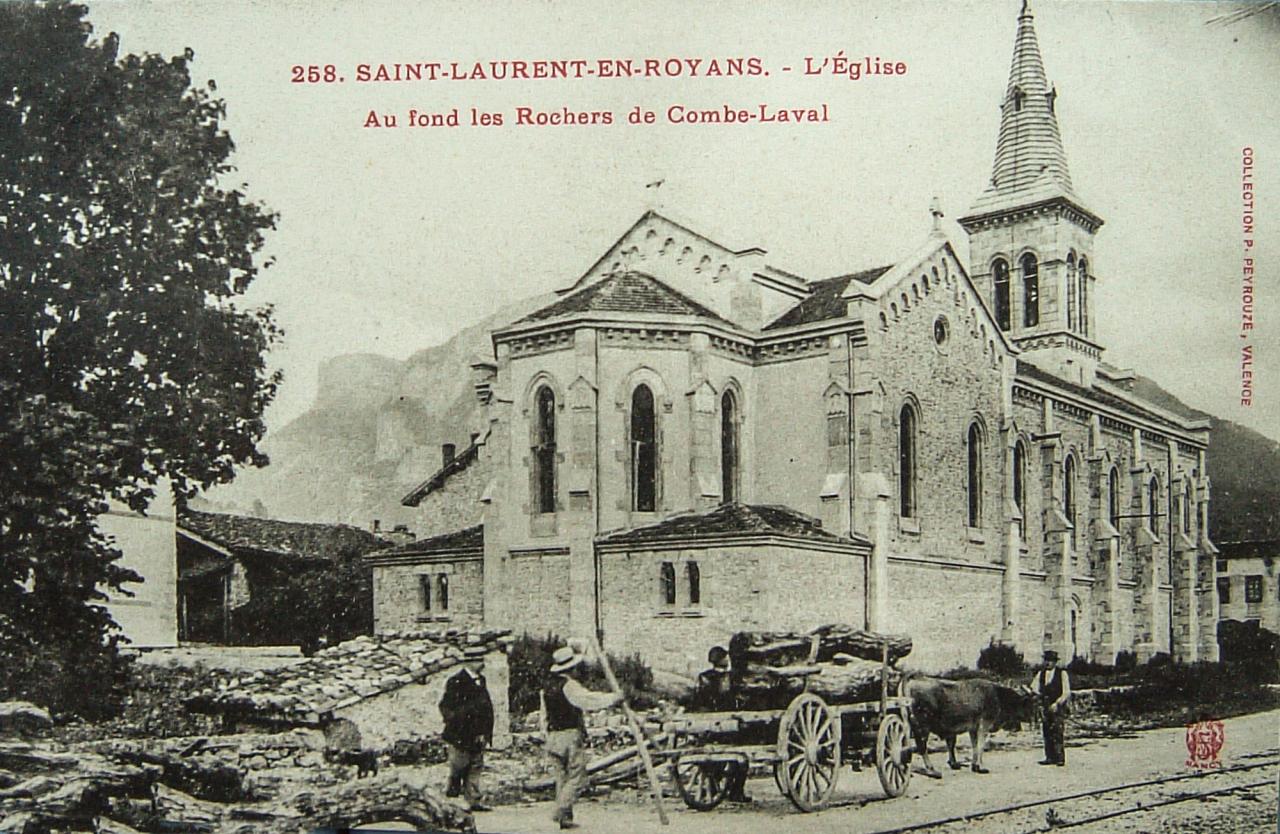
point(826, 299)
point(732, 519)
point(244, 534)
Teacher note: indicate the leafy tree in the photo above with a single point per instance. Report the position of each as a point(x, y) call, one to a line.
point(123, 356)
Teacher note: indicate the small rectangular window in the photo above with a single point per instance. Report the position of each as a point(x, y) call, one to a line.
point(1222, 566)
point(1224, 590)
point(1253, 589)
point(667, 582)
point(695, 583)
point(442, 587)
point(424, 591)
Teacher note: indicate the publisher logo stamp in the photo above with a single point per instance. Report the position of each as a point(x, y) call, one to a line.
point(1204, 744)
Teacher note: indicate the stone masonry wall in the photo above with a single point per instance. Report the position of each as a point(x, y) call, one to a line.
point(951, 613)
point(397, 600)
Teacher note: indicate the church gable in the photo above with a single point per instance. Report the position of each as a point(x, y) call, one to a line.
point(736, 284)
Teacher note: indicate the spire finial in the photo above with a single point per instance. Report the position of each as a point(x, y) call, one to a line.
point(1026, 9)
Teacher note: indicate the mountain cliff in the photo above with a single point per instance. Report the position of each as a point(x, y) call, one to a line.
point(378, 424)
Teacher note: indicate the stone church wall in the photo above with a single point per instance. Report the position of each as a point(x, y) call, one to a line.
point(951, 611)
point(397, 600)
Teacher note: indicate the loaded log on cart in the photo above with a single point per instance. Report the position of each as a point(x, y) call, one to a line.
point(803, 703)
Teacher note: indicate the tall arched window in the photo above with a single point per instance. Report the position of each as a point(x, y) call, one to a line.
point(1030, 291)
point(1069, 490)
point(1113, 497)
point(1000, 274)
point(975, 475)
point(1082, 274)
point(695, 582)
point(544, 451)
point(1020, 485)
point(1153, 506)
point(1186, 508)
point(729, 446)
point(1072, 305)
point(644, 451)
point(667, 583)
point(907, 462)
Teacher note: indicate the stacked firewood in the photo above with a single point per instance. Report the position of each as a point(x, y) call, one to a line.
point(839, 663)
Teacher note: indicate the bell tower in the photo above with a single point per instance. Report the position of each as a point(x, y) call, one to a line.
point(1030, 236)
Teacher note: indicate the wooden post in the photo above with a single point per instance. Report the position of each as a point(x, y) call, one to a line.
point(884, 678)
point(637, 731)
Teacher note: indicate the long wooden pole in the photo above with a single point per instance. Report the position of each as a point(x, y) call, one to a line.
point(636, 730)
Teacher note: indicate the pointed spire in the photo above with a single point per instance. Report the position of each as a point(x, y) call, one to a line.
point(1030, 162)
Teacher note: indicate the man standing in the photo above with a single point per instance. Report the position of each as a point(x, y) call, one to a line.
point(1053, 687)
point(564, 700)
point(715, 694)
point(467, 710)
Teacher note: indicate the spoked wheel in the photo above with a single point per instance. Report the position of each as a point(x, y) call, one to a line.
point(808, 752)
point(893, 754)
point(702, 785)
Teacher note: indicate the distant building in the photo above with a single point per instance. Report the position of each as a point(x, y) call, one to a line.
point(1249, 582)
point(148, 618)
point(227, 562)
point(691, 441)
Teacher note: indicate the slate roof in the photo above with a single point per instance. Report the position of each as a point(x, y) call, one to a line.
point(1104, 397)
point(243, 534)
point(309, 692)
point(731, 519)
point(1253, 549)
point(825, 300)
point(625, 292)
point(468, 539)
point(460, 462)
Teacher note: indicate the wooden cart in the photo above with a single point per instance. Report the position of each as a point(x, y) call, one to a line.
point(806, 744)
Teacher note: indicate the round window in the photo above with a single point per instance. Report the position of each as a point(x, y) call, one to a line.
point(941, 330)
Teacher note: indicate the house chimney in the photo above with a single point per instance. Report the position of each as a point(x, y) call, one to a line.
point(377, 526)
point(400, 535)
point(446, 453)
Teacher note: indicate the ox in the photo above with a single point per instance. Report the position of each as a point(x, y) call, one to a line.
point(946, 708)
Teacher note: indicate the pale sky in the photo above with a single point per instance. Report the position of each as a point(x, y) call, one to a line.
point(391, 240)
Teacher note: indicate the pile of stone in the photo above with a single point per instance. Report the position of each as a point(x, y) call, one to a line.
point(308, 693)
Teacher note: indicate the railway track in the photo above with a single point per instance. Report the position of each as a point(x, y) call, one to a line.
point(1087, 807)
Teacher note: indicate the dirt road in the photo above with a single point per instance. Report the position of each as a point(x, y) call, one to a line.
point(1015, 776)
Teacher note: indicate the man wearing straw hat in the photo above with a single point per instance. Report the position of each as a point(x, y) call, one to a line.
point(564, 701)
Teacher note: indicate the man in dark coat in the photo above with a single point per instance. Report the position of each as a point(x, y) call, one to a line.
point(715, 694)
point(1052, 686)
point(468, 727)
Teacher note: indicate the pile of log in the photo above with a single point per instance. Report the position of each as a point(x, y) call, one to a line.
point(838, 662)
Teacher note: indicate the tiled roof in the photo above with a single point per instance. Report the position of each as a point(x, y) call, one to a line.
point(240, 534)
point(337, 677)
point(625, 292)
point(825, 300)
point(460, 462)
point(1249, 549)
point(731, 519)
point(1104, 397)
point(469, 539)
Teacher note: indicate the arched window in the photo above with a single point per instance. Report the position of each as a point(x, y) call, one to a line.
point(729, 446)
point(1082, 273)
point(1069, 490)
point(1072, 304)
point(1153, 506)
point(695, 582)
point(1113, 497)
point(975, 475)
point(667, 583)
point(907, 462)
point(644, 451)
point(1018, 96)
point(544, 451)
point(1030, 291)
point(1186, 508)
point(1000, 271)
point(442, 592)
point(1020, 485)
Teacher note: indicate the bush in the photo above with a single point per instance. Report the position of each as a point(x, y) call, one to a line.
point(1002, 659)
point(530, 664)
point(1126, 662)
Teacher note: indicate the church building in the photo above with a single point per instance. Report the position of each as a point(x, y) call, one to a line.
point(691, 441)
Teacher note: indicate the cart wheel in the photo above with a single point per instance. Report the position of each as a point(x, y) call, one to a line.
point(893, 754)
point(702, 785)
point(808, 752)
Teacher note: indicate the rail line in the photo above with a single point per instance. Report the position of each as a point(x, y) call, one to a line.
point(1068, 823)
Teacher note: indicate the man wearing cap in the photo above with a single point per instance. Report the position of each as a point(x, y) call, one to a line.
point(467, 710)
point(715, 694)
point(1053, 687)
point(564, 701)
